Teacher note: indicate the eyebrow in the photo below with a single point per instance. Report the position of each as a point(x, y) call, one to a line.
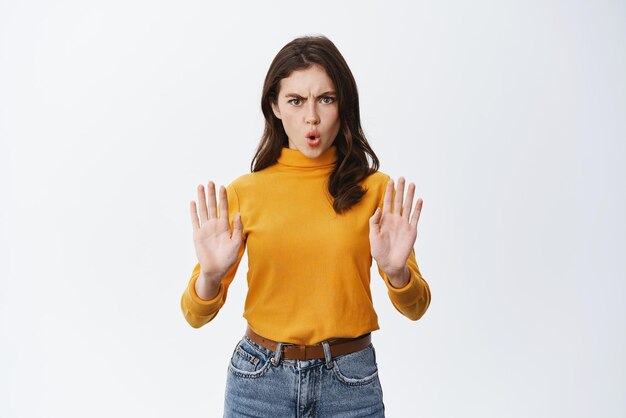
point(297, 96)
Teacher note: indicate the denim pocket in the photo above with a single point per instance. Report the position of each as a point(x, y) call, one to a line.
point(357, 368)
point(247, 361)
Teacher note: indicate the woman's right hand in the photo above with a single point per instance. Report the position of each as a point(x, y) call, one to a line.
point(216, 247)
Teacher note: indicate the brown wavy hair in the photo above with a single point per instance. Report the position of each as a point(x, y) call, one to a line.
point(352, 164)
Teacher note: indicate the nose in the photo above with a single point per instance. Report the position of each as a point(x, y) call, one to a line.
point(312, 117)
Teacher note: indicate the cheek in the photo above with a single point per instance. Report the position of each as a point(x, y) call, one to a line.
point(288, 119)
point(332, 116)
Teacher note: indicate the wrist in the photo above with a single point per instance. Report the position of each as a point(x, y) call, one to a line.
point(400, 278)
point(210, 277)
point(207, 287)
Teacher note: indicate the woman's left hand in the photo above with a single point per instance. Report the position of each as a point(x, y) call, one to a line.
point(393, 233)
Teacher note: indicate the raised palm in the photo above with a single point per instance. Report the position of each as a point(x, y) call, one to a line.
point(217, 247)
point(392, 231)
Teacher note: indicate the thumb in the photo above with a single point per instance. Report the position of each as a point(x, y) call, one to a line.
point(237, 226)
point(375, 219)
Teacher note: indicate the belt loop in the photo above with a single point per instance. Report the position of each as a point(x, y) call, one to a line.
point(327, 355)
point(279, 352)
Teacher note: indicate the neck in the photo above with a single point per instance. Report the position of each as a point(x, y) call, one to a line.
point(294, 158)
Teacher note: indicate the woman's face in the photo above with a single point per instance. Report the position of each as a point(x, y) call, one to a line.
point(308, 109)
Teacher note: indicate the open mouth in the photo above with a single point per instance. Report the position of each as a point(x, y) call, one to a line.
point(312, 135)
point(313, 138)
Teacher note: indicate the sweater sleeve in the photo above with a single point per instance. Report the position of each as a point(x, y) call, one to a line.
point(197, 311)
point(413, 299)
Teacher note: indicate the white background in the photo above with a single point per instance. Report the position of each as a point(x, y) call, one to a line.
point(509, 117)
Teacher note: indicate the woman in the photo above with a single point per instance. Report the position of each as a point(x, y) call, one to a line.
point(312, 214)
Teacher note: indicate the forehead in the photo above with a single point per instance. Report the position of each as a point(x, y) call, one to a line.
point(312, 79)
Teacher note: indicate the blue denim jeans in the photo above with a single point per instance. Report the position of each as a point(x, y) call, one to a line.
point(262, 384)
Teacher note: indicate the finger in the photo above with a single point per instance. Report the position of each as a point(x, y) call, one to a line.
point(375, 218)
point(212, 207)
point(195, 223)
point(237, 227)
point(408, 202)
point(417, 212)
point(223, 203)
point(397, 204)
point(202, 204)
point(388, 196)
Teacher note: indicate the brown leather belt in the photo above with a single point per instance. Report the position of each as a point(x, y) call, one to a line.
point(338, 346)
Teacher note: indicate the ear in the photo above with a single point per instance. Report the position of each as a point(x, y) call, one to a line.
point(276, 109)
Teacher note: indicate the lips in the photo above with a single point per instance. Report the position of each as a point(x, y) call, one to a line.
point(313, 134)
point(313, 138)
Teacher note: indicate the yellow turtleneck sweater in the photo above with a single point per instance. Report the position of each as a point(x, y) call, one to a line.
point(308, 267)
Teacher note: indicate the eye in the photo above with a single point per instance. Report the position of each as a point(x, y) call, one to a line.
point(294, 102)
point(328, 100)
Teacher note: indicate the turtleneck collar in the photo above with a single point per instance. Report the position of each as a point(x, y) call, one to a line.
point(294, 158)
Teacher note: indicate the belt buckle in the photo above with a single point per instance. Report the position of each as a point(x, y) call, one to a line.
point(282, 353)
